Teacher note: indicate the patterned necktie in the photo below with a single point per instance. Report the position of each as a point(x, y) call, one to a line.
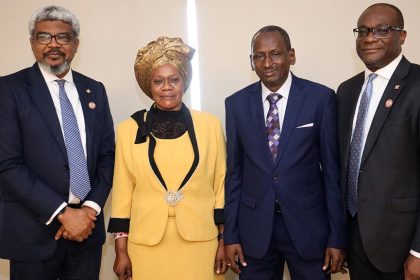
point(356, 144)
point(273, 124)
point(79, 177)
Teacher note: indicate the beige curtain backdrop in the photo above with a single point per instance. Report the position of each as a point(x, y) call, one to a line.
point(112, 31)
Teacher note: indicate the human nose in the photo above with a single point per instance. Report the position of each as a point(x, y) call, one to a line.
point(370, 36)
point(267, 61)
point(167, 85)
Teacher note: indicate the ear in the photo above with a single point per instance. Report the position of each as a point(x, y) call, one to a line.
point(252, 62)
point(292, 56)
point(76, 42)
point(31, 41)
point(403, 35)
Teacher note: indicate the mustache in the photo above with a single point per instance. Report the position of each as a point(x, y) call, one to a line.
point(54, 50)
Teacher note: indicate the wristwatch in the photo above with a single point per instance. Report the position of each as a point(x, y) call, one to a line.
point(220, 236)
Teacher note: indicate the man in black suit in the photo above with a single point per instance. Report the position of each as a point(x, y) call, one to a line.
point(379, 127)
point(56, 158)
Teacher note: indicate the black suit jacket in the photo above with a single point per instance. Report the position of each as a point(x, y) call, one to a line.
point(34, 174)
point(389, 180)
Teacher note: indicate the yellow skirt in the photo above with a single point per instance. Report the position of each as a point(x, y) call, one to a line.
point(174, 258)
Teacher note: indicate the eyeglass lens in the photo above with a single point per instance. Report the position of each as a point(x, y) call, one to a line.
point(46, 38)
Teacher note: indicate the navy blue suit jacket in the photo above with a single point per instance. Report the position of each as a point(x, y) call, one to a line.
point(304, 178)
point(34, 173)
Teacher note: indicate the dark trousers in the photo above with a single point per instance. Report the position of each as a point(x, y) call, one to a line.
point(71, 261)
point(359, 265)
point(282, 250)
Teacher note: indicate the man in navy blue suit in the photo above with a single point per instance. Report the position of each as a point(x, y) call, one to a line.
point(283, 201)
point(56, 158)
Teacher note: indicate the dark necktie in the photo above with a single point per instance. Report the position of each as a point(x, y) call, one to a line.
point(355, 154)
point(79, 177)
point(273, 124)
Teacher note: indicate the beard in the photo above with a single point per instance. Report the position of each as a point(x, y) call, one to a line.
point(56, 69)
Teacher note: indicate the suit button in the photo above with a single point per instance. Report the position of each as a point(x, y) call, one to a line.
point(275, 177)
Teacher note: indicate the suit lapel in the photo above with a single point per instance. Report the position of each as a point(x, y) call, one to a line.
point(87, 96)
point(395, 85)
point(257, 113)
point(293, 108)
point(40, 94)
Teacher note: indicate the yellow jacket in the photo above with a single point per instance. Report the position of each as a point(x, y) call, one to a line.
point(138, 195)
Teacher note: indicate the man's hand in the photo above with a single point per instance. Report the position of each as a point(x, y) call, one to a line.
point(90, 212)
point(412, 268)
point(334, 260)
point(234, 255)
point(77, 224)
point(220, 264)
point(62, 233)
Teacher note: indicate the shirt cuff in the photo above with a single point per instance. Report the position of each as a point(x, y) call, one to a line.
point(93, 205)
point(56, 213)
point(414, 253)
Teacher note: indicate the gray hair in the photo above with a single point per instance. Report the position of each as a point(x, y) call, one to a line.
point(54, 13)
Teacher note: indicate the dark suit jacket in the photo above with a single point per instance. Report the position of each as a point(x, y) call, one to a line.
point(34, 173)
point(389, 180)
point(304, 178)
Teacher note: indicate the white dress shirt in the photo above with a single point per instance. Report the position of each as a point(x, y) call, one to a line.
point(379, 85)
point(281, 103)
point(73, 96)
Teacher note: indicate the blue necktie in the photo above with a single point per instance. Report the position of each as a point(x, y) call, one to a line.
point(273, 124)
point(79, 176)
point(356, 144)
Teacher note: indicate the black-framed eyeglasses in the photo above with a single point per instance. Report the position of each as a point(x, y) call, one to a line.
point(381, 32)
point(45, 38)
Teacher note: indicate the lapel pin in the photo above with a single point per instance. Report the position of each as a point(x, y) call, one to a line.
point(88, 90)
point(92, 105)
point(389, 103)
point(397, 87)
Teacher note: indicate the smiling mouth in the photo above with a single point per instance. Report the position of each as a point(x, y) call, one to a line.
point(53, 54)
point(371, 50)
point(269, 73)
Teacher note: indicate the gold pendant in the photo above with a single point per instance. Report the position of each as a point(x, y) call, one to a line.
point(173, 198)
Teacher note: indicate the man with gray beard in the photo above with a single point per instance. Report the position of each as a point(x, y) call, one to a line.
point(56, 158)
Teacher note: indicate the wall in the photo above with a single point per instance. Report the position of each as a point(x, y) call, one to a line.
point(112, 31)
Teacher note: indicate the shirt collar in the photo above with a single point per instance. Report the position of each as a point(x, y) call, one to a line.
point(50, 77)
point(283, 90)
point(387, 71)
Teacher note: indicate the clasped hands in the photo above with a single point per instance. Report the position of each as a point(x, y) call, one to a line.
point(76, 224)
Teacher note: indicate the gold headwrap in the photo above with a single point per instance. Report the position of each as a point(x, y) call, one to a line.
point(160, 52)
